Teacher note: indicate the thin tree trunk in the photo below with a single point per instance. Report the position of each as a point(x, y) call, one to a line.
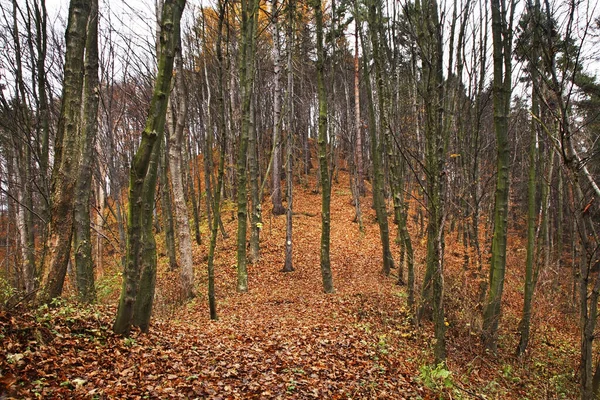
point(255, 216)
point(191, 172)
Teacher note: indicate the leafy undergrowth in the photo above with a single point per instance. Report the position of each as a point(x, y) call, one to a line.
point(285, 338)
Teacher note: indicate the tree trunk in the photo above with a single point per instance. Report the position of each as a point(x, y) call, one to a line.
point(289, 145)
point(167, 207)
point(66, 158)
point(191, 172)
point(357, 121)
point(82, 238)
point(322, 150)
point(249, 10)
point(502, 43)
point(255, 216)
point(378, 174)
point(212, 304)
point(530, 275)
point(135, 304)
point(276, 197)
point(177, 115)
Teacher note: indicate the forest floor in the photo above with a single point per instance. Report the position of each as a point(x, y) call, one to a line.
point(285, 338)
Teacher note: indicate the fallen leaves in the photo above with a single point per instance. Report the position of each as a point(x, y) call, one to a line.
point(284, 339)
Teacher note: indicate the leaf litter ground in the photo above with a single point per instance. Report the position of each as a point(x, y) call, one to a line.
point(282, 339)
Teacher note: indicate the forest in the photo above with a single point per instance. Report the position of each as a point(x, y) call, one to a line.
point(322, 199)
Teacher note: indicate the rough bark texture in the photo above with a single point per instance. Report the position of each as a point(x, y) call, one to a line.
point(135, 304)
point(64, 173)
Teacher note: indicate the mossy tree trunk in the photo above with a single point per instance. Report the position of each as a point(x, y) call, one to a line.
point(135, 304)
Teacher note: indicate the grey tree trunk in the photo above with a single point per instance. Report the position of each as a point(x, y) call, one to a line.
point(256, 214)
point(357, 120)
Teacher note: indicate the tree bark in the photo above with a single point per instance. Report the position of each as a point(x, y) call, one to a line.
point(357, 119)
